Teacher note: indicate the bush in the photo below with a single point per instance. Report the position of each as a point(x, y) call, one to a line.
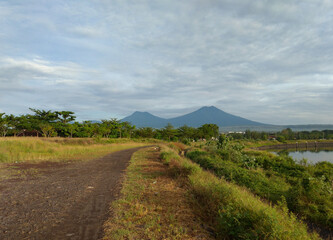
point(307, 189)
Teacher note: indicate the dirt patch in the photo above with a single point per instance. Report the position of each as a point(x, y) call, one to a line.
point(66, 201)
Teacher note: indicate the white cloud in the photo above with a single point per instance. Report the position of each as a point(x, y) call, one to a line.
point(270, 61)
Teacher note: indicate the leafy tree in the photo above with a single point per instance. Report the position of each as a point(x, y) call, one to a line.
point(3, 125)
point(112, 127)
point(168, 132)
point(65, 116)
point(45, 116)
point(186, 132)
point(209, 131)
point(47, 130)
point(223, 141)
point(126, 129)
point(145, 132)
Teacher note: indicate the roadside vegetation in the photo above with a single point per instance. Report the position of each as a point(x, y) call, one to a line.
point(167, 196)
point(232, 210)
point(305, 190)
point(154, 204)
point(29, 149)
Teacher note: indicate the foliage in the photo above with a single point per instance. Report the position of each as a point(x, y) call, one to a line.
point(49, 123)
point(283, 135)
point(307, 189)
point(234, 211)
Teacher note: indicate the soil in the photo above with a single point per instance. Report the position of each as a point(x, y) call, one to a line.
point(61, 200)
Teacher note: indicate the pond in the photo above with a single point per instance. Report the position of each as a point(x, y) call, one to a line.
point(313, 157)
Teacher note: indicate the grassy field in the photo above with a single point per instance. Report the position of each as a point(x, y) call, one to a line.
point(154, 204)
point(14, 150)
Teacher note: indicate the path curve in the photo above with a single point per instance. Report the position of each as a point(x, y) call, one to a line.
point(66, 201)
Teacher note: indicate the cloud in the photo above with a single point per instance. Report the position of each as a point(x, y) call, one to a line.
point(269, 61)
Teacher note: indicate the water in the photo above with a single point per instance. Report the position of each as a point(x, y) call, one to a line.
point(313, 157)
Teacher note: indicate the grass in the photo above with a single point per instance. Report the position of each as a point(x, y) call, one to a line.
point(307, 189)
point(153, 204)
point(234, 211)
point(259, 143)
point(14, 150)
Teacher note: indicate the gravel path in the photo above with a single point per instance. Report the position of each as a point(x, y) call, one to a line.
point(64, 201)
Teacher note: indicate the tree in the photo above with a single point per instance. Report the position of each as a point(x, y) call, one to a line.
point(65, 116)
point(145, 132)
point(126, 129)
point(168, 132)
point(3, 125)
point(209, 131)
point(47, 130)
point(287, 134)
point(223, 142)
point(186, 132)
point(112, 127)
point(45, 116)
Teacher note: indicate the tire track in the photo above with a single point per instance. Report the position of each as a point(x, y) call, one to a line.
point(66, 202)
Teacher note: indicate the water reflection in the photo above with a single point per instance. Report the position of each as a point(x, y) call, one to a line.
point(313, 156)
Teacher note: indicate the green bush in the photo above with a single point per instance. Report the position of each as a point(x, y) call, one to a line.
point(307, 189)
point(271, 188)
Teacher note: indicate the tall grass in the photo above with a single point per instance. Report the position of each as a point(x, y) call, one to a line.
point(236, 212)
point(306, 189)
point(57, 149)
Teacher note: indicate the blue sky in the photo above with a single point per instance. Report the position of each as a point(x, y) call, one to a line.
point(269, 61)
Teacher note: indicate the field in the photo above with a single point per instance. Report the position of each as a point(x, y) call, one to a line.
point(59, 188)
point(31, 149)
point(246, 194)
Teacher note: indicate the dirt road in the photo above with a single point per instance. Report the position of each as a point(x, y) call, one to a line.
point(61, 201)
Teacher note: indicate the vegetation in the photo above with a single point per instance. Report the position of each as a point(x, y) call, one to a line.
point(284, 135)
point(306, 189)
point(49, 123)
point(235, 212)
point(147, 209)
point(57, 149)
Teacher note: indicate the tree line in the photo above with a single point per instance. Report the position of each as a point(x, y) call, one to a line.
point(49, 123)
point(283, 135)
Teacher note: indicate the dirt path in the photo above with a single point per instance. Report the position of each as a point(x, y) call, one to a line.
point(64, 201)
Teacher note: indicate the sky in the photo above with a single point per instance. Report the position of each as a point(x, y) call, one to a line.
point(266, 60)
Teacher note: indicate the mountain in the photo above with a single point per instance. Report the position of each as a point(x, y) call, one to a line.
point(195, 119)
point(145, 119)
point(211, 115)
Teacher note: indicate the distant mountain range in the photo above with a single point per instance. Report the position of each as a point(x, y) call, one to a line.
point(195, 119)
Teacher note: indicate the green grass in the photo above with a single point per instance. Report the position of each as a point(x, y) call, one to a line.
point(259, 143)
point(307, 189)
point(58, 149)
point(235, 212)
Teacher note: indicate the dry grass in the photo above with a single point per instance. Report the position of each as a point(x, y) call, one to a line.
point(13, 150)
point(153, 204)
